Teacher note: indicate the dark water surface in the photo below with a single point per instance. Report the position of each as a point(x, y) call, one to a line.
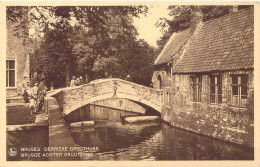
point(154, 141)
point(35, 139)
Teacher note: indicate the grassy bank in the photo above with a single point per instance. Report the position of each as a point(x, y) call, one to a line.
point(19, 114)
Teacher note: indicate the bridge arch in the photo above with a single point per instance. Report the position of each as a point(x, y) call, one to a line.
point(120, 96)
point(71, 99)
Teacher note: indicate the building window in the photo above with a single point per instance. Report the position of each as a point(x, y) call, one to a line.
point(195, 87)
point(10, 73)
point(239, 90)
point(215, 89)
point(160, 82)
point(167, 93)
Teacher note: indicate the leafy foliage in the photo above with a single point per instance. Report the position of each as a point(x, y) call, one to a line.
point(181, 18)
point(54, 57)
point(93, 40)
point(18, 15)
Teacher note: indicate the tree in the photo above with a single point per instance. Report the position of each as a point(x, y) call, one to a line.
point(55, 56)
point(58, 45)
point(122, 54)
point(18, 15)
point(140, 62)
point(101, 46)
point(90, 16)
point(103, 40)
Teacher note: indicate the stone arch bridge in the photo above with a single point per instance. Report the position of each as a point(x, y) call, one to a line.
point(72, 98)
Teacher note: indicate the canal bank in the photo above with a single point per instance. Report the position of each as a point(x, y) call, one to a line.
point(149, 141)
point(235, 126)
point(111, 139)
point(26, 131)
point(109, 128)
point(59, 134)
point(228, 124)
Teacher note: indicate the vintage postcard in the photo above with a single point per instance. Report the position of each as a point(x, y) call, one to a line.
point(129, 83)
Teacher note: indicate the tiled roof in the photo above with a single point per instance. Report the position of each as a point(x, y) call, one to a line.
point(226, 43)
point(175, 43)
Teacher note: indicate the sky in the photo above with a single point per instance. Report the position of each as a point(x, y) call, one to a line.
point(146, 25)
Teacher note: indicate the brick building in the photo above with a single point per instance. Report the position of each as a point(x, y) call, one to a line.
point(17, 60)
point(207, 74)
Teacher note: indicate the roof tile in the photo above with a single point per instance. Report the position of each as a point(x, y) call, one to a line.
point(226, 43)
point(172, 47)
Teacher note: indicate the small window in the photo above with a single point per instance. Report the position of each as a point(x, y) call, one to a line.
point(168, 98)
point(239, 90)
point(160, 83)
point(169, 71)
point(215, 89)
point(10, 73)
point(195, 88)
point(167, 93)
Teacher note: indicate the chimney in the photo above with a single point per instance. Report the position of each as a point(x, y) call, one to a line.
point(196, 18)
point(234, 8)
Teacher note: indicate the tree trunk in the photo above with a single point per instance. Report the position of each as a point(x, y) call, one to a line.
point(67, 77)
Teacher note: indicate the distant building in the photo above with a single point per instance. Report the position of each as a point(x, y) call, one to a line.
point(207, 74)
point(17, 61)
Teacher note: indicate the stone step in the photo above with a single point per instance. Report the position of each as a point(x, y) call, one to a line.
point(142, 119)
point(11, 128)
point(81, 124)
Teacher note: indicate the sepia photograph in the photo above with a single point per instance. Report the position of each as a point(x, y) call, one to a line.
point(129, 82)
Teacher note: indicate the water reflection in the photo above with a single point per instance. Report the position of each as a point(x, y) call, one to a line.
point(110, 135)
point(117, 141)
point(91, 112)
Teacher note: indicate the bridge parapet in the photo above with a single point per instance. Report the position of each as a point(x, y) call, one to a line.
point(72, 98)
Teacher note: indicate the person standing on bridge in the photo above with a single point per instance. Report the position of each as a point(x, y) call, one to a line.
point(77, 82)
point(128, 78)
point(81, 81)
point(73, 81)
point(106, 75)
point(86, 79)
point(52, 87)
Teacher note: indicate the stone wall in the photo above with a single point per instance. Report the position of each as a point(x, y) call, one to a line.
point(121, 104)
point(58, 95)
point(166, 77)
point(17, 49)
point(217, 120)
point(166, 84)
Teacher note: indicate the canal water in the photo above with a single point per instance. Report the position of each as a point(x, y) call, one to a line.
point(29, 139)
point(116, 140)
